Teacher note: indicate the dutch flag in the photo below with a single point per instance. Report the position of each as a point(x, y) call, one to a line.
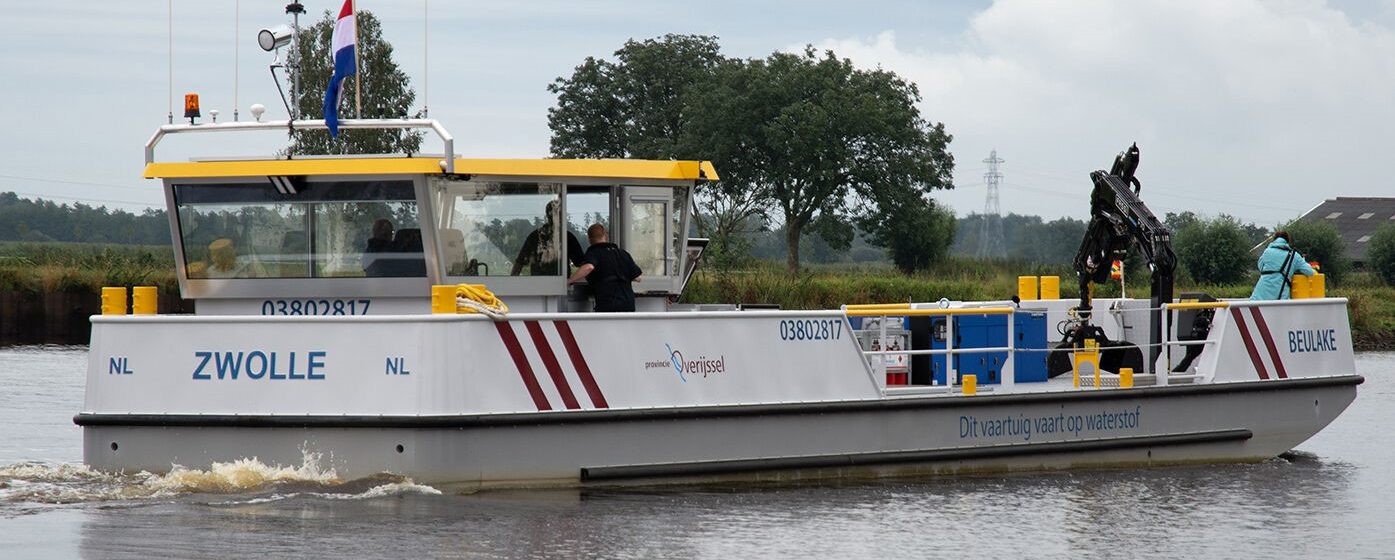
point(342, 46)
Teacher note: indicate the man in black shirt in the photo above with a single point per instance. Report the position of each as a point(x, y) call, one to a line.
point(609, 270)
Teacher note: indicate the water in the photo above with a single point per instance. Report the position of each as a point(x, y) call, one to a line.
point(1330, 498)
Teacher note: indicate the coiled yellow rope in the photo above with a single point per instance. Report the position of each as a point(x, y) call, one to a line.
point(475, 298)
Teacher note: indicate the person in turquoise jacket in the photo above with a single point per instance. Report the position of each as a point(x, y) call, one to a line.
point(1277, 265)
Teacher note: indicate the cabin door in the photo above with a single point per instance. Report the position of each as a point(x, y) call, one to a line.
point(649, 234)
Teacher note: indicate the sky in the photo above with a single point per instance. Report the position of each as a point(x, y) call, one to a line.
point(1258, 109)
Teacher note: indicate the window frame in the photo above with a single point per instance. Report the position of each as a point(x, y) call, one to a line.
point(326, 286)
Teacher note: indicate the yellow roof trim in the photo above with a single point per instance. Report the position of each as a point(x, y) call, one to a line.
point(267, 168)
point(601, 168)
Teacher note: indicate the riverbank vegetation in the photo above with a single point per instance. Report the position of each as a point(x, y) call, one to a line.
point(84, 267)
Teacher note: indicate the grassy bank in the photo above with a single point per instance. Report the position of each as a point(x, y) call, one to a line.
point(84, 268)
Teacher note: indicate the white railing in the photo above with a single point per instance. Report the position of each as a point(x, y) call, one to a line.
point(447, 164)
point(1006, 375)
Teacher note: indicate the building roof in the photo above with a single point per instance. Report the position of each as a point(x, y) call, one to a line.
point(1356, 219)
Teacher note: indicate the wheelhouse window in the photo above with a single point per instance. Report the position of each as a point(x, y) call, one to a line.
point(490, 228)
point(654, 229)
point(587, 206)
point(648, 236)
point(323, 230)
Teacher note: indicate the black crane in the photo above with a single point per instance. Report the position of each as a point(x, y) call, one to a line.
point(1118, 220)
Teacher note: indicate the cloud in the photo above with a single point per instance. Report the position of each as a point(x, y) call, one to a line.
point(1257, 109)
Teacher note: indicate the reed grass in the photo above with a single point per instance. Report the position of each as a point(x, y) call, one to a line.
point(84, 267)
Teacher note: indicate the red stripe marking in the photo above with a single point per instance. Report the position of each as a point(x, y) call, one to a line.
point(579, 362)
point(524, 370)
point(1269, 342)
point(550, 360)
point(1249, 343)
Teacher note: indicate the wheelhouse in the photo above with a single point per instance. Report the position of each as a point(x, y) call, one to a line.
point(370, 235)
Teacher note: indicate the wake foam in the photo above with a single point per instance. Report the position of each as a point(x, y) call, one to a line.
point(69, 483)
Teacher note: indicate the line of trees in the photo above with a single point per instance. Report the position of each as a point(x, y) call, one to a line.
point(805, 143)
point(40, 220)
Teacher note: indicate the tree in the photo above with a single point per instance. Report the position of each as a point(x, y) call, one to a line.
point(630, 108)
point(1214, 251)
point(387, 92)
point(636, 107)
point(827, 144)
point(916, 234)
point(1177, 222)
point(1320, 241)
point(1380, 253)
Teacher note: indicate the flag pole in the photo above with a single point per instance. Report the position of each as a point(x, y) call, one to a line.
point(358, 68)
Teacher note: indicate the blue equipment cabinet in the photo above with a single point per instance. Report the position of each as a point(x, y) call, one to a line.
point(987, 331)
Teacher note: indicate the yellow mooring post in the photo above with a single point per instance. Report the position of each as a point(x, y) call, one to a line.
point(1302, 287)
point(1050, 287)
point(443, 298)
point(1026, 288)
point(145, 300)
point(1125, 377)
point(113, 301)
point(970, 384)
point(1317, 286)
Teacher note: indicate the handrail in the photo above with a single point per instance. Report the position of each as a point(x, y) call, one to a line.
point(1164, 374)
point(861, 306)
point(1197, 305)
point(448, 165)
point(884, 312)
point(1007, 373)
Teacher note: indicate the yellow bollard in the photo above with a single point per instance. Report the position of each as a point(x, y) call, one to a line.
point(443, 298)
point(1125, 377)
point(113, 301)
point(145, 300)
point(1050, 287)
point(970, 383)
point(1027, 288)
point(1302, 287)
point(1317, 286)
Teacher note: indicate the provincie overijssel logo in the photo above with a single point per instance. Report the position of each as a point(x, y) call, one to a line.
point(703, 365)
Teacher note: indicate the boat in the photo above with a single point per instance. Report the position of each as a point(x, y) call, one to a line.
point(300, 345)
point(410, 314)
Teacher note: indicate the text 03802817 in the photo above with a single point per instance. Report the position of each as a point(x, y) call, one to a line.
point(811, 329)
point(315, 306)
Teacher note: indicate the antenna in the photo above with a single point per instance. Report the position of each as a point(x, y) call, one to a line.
point(237, 30)
point(425, 60)
point(272, 40)
point(990, 239)
point(293, 61)
point(169, 13)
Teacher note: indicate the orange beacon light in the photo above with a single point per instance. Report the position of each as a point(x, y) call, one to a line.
point(191, 106)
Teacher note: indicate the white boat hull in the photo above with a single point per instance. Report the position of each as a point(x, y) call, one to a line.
point(1216, 423)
